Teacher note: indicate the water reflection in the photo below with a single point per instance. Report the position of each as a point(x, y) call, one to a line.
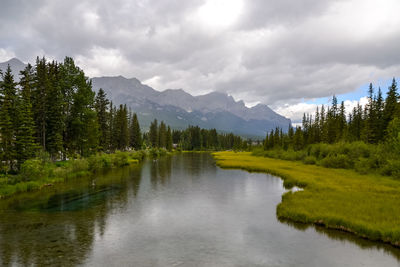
point(180, 210)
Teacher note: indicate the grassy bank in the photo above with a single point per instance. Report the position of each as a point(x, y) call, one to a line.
point(41, 171)
point(359, 156)
point(366, 205)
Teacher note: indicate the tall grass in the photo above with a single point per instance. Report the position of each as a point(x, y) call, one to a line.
point(366, 205)
point(359, 156)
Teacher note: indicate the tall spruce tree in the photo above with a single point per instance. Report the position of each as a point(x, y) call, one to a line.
point(168, 145)
point(39, 100)
point(25, 135)
point(153, 133)
point(55, 116)
point(135, 134)
point(101, 105)
point(162, 135)
point(8, 120)
point(390, 104)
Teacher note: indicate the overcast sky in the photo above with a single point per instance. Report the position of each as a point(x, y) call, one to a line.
point(287, 54)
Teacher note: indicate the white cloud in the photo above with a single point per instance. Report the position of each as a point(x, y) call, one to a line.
point(5, 54)
point(261, 51)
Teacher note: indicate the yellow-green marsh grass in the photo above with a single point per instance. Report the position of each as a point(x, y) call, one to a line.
point(366, 205)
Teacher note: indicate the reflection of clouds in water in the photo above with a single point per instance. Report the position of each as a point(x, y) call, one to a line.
point(180, 210)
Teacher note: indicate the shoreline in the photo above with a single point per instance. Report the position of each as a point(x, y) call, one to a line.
point(42, 173)
point(328, 203)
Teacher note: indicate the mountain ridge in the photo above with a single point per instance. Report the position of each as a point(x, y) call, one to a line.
point(179, 108)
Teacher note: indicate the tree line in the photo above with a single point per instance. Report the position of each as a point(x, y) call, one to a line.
point(376, 122)
point(54, 109)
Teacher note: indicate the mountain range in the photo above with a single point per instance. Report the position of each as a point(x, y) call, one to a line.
point(179, 109)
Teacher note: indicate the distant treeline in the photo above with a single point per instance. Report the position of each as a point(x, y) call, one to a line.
point(375, 123)
point(54, 109)
point(366, 139)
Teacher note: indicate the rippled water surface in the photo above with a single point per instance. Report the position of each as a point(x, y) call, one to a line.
point(175, 211)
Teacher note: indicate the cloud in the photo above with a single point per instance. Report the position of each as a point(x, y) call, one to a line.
point(275, 52)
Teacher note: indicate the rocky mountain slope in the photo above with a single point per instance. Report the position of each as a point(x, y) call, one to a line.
point(180, 109)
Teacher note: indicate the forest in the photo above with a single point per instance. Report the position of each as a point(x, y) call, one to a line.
point(367, 139)
point(53, 110)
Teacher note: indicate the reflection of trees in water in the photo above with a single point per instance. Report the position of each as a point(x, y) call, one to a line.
point(198, 163)
point(160, 171)
point(345, 236)
point(50, 237)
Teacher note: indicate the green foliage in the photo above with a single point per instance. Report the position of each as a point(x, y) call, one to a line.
point(311, 160)
point(33, 169)
point(366, 205)
point(337, 161)
point(41, 171)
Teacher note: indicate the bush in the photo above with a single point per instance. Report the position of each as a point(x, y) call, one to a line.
point(311, 160)
point(120, 159)
point(95, 162)
point(363, 165)
point(33, 169)
point(79, 165)
point(339, 161)
point(392, 168)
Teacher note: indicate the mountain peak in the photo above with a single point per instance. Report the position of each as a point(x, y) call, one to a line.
point(15, 60)
point(179, 108)
point(16, 66)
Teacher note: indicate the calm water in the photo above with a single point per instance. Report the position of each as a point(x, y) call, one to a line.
point(177, 211)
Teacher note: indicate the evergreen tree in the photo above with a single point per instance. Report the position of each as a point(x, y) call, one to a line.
point(162, 135)
point(135, 134)
point(390, 104)
point(55, 116)
point(25, 140)
point(8, 111)
point(153, 134)
point(101, 106)
point(39, 100)
point(169, 139)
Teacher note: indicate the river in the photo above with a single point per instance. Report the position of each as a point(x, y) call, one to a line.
point(175, 211)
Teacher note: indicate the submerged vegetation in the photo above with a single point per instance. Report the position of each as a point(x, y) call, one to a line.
point(366, 205)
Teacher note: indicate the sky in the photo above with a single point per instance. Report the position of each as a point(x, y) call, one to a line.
point(290, 55)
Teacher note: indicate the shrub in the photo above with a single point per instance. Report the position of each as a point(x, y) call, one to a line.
point(339, 161)
point(95, 163)
point(33, 169)
point(120, 159)
point(362, 165)
point(79, 165)
point(310, 160)
point(392, 168)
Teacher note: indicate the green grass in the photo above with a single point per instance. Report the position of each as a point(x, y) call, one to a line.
point(41, 172)
point(366, 205)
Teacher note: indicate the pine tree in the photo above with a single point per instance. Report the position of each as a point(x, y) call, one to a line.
point(390, 104)
point(135, 134)
point(378, 125)
point(8, 115)
point(342, 123)
point(101, 106)
point(153, 134)
point(121, 131)
point(83, 116)
point(25, 140)
point(39, 100)
point(162, 135)
point(169, 139)
point(55, 116)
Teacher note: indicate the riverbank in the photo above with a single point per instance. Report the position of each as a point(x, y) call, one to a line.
point(42, 172)
point(366, 205)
